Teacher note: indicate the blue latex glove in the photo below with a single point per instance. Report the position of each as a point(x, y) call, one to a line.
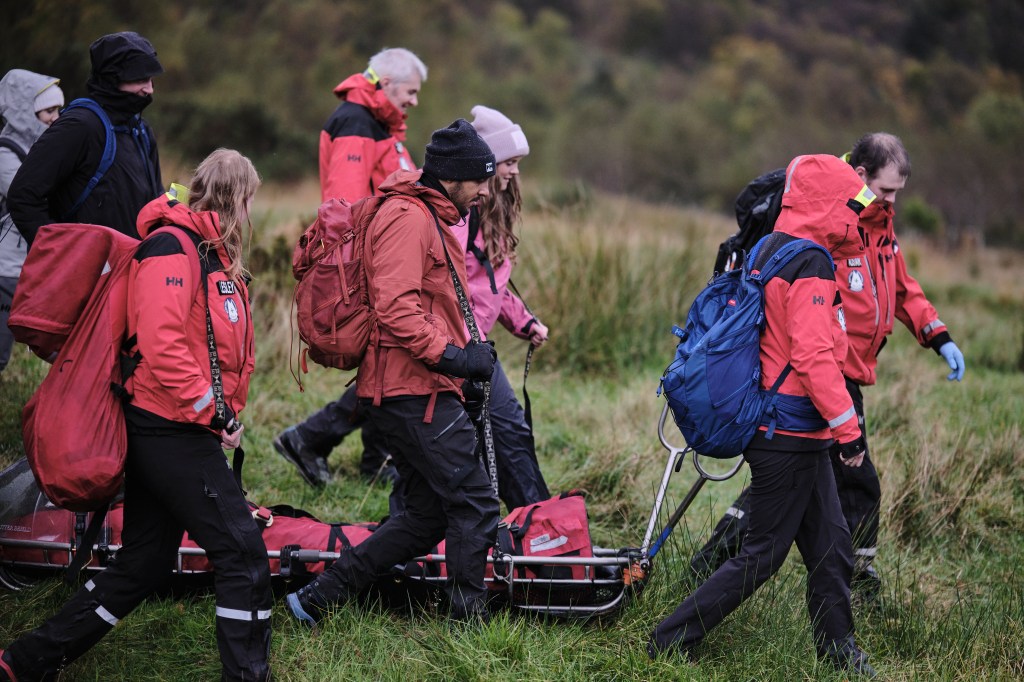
point(955, 358)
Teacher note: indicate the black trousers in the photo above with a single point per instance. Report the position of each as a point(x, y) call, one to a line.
point(792, 497)
point(172, 484)
point(447, 495)
point(520, 481)
point(325, 429)
point(860, 494)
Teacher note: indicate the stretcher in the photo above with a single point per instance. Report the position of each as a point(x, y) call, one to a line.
point(555, 572)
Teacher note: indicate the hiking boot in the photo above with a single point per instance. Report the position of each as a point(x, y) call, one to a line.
point(7, 668)
point(847, 657)
point(312, 467)
point(311, 603)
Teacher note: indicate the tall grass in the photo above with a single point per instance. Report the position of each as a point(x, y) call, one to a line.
point(610, 278)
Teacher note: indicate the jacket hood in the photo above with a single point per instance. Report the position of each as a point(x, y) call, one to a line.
point(408, 183)
point(18, 90)
point(821, 201)
point(358, 90)
point(166, 210)
point(121, 58)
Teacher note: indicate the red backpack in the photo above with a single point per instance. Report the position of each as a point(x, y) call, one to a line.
point(71, 302)
point(333, 311)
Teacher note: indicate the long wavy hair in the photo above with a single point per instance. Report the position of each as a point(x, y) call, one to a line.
point(500, 212)
point(225, 182)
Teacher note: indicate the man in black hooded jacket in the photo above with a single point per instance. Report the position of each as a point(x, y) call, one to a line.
point(61, 163)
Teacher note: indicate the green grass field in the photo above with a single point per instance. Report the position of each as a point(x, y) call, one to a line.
point(610, 278)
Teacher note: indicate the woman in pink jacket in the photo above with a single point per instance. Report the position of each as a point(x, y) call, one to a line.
point(489, 235)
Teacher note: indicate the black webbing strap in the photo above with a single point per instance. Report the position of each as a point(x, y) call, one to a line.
point(471, 247)
point(474, 333)
point(529, 361)
point(85, 539)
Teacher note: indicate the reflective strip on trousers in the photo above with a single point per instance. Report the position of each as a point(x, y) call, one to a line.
point(238, 614)
point(106, 615)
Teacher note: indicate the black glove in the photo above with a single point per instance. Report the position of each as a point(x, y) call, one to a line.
point(473, 398)
point(475, 361)
point(851, 449)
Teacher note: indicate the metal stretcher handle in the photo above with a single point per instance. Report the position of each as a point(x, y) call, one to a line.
point(675, 457)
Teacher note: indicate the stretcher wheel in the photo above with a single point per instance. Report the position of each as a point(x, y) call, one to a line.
point(14, 580)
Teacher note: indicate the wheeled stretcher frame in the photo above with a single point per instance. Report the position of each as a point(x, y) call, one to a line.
point(609, 579)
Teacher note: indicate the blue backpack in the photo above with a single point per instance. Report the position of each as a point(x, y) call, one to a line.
point(713, 385)
point(109, 148)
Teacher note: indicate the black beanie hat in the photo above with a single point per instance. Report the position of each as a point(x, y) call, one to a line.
point(458, 153)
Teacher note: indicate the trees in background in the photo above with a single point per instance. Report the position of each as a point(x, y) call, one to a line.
point(679, 100)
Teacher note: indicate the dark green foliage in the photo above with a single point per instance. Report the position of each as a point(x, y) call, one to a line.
point(679, 100)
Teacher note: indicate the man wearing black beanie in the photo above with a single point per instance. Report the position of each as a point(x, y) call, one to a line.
point(409, 382)
point(63, 179)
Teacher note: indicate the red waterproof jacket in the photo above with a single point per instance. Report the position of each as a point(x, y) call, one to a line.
point(411, 292)
point(804, 316)
point(362, 143)
point(167, 310)
point(877, 288)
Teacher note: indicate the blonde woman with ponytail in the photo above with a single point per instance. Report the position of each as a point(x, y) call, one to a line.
point(182, 414)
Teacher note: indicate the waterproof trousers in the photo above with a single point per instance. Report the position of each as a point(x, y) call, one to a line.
point(172, 484)
point(860, 495)
point(792, 497)
point(324, 430)
point(447, 495)
point(520, 481)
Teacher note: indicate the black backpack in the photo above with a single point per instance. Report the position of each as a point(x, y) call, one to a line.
point(757, 208)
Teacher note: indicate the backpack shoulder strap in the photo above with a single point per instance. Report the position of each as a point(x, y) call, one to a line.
point(473, 223)
point(782, 257)
point(109, 151)
point(8, 143)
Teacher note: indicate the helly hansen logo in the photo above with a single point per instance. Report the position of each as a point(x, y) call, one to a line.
point(175, 282)
point(355, 158)
point(226, 288)
point(818, 300)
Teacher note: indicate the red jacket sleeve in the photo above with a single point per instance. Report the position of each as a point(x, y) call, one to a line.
point(164, 292)
point(912, 307)
point(811, 309)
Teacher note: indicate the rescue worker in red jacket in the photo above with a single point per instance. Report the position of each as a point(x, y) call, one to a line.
point(409, 383)
point(793, 491)
point(362, 143)
point(176, 474)
point(877, 290)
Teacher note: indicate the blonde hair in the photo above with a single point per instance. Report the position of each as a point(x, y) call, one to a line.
point(224, 183)
point(499, 214)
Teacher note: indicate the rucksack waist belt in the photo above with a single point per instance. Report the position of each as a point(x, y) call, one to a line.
point(792, 413)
